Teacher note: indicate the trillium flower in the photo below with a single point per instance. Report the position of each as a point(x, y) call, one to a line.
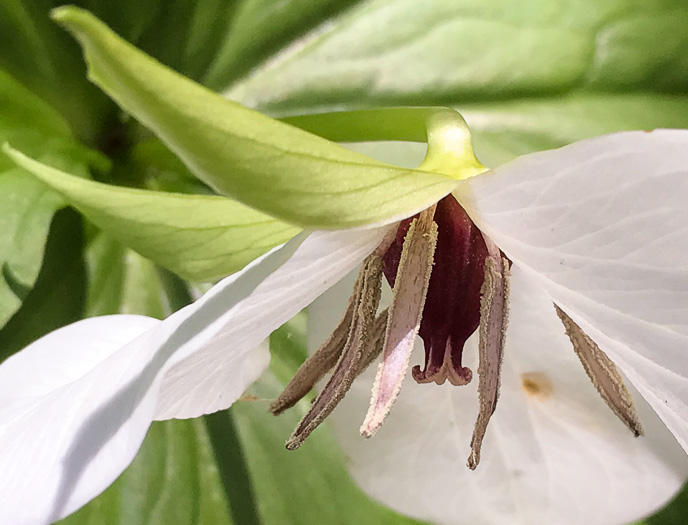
point(596, 229)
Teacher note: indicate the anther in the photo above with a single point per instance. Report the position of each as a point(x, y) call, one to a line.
point(405, 312)
point(603, 374)
point(494, 315)
point(354, 353)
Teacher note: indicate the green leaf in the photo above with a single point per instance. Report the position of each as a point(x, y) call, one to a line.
point(38, 55)
point(269, 165)
point(394, 52)
point(27, 209)
point(59, 294)
point(505, 130)
point(130, 18)
point(27, 205)
point(674, 513)
point(260, 28)
point(526, 76)
point(229, 454)
point(187, 34)
point(151, 165)
point(105, 262)
point(199, 237)
point(310, 485)
point(121, 281)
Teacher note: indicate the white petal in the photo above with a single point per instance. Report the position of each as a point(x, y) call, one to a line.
point(49, 394)
point(65, 355)
point(234, 321)
point(559, 457)
point(603, 227)
point(75, 406)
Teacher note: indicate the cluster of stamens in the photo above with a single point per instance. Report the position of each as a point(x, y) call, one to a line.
point(448, 281)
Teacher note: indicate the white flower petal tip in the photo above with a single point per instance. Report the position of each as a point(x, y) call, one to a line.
point(602, 226)
point(553, 452)
point(237, 316)
point(53, 395)
point(76, 405)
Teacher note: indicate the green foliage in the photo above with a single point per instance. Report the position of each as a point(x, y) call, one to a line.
point(261, 28)
point(59, 293)
point(46, 61)
point(173, 480)
point(462, 51)
point(26, 205)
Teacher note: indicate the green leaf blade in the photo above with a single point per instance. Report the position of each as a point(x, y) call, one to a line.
point(263, 27)
point(456, 52)
point(59, 294)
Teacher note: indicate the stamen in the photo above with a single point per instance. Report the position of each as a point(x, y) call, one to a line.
point(317, 365)
point(603, 374)
point(410, 289)
point(494, 313)
point(376, 343)
point(355, 351)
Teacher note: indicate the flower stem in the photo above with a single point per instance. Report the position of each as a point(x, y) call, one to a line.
point(231, 463)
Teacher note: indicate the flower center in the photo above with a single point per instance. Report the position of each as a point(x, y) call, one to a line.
point(449, 280)
point(452, 305)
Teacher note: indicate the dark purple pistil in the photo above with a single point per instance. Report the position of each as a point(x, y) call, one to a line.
point(452, 305)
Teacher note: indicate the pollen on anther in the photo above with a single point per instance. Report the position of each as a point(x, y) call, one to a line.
point(537, 385)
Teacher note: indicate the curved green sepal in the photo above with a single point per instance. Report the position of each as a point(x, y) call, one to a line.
point(450, 149)
point(199, 237)
point(266, 164)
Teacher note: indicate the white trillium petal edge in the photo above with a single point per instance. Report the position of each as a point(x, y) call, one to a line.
point(553, 452)
point(602, 225)
point(76, 404)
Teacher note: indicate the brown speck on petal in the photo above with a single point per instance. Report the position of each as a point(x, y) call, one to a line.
point(494, 309)
point(408, 300)
point(603, 374)
point(361, 334)
point(537, 385)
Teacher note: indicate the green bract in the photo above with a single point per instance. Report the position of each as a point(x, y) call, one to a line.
point(281, 170)
point(199, 237)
